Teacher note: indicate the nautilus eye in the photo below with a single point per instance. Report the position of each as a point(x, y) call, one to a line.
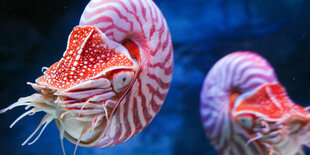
point(112, 79)
point(245, 121)
point(245, 110)
point(121, 80)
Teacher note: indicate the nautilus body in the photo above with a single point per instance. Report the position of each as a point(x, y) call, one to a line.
point(112, 79)
point(245, 110)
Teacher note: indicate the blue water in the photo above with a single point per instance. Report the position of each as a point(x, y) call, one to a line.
point(34, 34)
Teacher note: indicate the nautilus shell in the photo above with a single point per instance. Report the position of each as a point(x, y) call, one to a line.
point(112, 79)
point(245, 110)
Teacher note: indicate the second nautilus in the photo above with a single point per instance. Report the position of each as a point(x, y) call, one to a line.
point(245, 110)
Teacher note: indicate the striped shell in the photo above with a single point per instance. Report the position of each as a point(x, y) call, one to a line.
point(245, 110)
point(141, 22)
point(113, 78)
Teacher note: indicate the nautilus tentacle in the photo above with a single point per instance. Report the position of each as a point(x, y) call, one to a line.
point(245, 110)
point(113, 77)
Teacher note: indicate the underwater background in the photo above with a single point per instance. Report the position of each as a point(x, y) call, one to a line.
point(33, 34)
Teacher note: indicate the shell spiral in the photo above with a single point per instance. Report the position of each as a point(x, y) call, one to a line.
point(235, 73)
point(143, 23)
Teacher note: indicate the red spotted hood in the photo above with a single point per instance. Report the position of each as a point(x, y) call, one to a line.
point(89, 54)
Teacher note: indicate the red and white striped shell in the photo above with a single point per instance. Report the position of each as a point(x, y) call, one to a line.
point(245, 110)
point(113, 77)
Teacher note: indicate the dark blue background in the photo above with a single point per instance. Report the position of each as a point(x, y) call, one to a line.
point(33, 33)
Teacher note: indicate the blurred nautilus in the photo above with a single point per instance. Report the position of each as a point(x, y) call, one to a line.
point(245, 110)
point(112, 79)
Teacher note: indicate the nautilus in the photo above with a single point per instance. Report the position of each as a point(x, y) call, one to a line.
point(112, 79)
point(245, 110)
